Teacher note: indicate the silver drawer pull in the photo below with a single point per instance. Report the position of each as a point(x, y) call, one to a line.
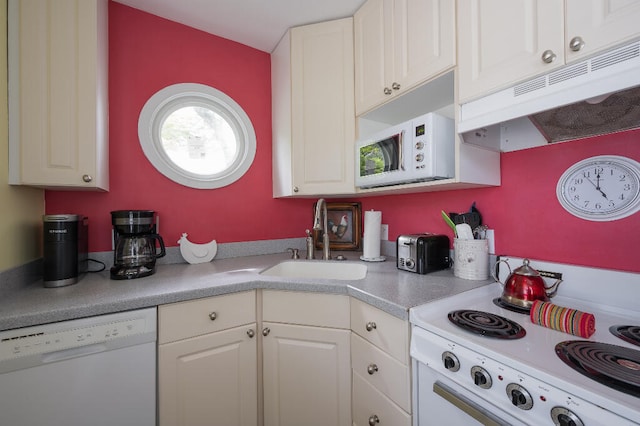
point(373, 420)
point(371, 326)
point(372, 368)
point(251, 333)
point(266, 331)
point(213, 316)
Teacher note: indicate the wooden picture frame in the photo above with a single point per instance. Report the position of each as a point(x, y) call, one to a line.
point(344, 221)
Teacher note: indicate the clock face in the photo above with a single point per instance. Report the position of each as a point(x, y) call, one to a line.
point(601, 188)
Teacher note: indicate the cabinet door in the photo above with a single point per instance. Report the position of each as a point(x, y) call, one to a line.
point(209, 380)
point(501, 42)
point(372, 41)
point(424, 40)
point(58, 85)
point(313, 110)
point(600, 24)
point(306, 373)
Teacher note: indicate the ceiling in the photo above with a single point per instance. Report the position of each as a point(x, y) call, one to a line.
point(256, 23)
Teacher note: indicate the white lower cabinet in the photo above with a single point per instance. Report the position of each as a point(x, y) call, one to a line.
point(381, 368)
point(327, 360)
point(207, 362)
point(306, 376)
point(306, 359)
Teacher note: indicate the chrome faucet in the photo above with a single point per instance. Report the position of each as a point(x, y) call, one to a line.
point(321, 209)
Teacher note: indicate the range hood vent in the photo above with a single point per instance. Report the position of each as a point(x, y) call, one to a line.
point(595, 96)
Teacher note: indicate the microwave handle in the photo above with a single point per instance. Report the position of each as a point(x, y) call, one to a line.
point(401, 149)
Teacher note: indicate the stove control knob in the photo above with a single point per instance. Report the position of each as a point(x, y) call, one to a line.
point(450, 361)
point(481, 377)
point(519, 396)
point(563, 417)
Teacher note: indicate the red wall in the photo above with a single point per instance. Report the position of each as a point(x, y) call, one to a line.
point(148, 53)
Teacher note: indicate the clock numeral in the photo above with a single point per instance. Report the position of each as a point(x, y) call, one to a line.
point(577, 181)
point(576, 198)
point(586, 204)
point(598, 170)
point(573, 189)
point(586, 174)
point(627, 187)
point(621, 197)
point(611, 203)
point(623, 178)
point(598, 206)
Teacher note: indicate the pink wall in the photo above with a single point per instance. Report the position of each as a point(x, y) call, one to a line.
point(148, 53)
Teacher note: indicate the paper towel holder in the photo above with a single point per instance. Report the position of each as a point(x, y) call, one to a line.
point(345, 226)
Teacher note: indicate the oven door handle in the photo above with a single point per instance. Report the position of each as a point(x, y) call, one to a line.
point(468, 406)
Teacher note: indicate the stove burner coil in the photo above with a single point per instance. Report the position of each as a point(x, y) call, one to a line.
point(628, 333)
point(614, 366)
point(487, 324)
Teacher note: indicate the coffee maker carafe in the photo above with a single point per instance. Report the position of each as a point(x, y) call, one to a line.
point(135, 251)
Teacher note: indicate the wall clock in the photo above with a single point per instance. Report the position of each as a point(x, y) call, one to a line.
point(602, 188)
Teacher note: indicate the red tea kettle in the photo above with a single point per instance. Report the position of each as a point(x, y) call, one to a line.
point(524, 285)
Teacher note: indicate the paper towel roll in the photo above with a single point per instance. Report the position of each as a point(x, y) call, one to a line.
point(371, 238)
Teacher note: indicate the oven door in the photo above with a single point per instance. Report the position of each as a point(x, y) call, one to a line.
point(440, 401)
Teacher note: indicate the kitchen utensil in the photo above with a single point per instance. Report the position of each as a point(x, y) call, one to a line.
point(464, 231)
point(525, 285)
point(449, 222)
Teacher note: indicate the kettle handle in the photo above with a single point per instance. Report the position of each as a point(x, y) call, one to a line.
point(494, 272)
point(163, 252)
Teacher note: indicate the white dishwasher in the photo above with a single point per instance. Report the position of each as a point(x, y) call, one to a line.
point(98, 371)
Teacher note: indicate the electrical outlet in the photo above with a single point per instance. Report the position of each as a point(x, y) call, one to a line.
point(384, 232)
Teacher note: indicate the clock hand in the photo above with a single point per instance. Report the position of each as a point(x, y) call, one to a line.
point(597, 186)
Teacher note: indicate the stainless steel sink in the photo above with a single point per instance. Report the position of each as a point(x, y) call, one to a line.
point(338, 270)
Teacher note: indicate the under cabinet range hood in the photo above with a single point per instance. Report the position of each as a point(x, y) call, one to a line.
point(591, 97)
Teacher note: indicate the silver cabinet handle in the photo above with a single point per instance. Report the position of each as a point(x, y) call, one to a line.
point(213, 316)
point(371, 326)
point(87, 178)
point(576, 44)
point(373, 420)
point(548, 56)
point(251, 333)
point(387, 91)
point(266, 331)
point(296, 189)
point(395, 86)
point(372, 368)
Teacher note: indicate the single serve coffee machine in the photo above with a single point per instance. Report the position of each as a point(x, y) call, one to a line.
point(65, 249)
point(134, 237)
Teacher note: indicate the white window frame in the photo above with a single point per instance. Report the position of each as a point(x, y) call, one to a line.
point(177, 96)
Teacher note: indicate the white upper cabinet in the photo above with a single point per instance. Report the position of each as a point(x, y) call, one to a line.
point(594, 25)
point(398, 45)
point(58, 105)
point(501, 42)
point(313, 111)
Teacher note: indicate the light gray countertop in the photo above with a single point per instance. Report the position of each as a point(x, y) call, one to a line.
point(384, 287)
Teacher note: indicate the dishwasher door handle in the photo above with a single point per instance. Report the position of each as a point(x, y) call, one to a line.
point(468, 406)
point(73, 353)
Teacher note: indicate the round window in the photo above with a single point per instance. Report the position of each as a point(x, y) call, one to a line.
point(197, 136)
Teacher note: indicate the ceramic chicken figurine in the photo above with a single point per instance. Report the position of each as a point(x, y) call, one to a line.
point(197, 253)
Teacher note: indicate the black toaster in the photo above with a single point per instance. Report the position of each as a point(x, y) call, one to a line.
point(422, 253)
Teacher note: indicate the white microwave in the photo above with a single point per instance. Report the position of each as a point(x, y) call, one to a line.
point(418, 150)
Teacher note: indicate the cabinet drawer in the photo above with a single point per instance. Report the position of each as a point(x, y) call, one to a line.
point(369, 404)
point(387, 374)
point(193, 318)
point(317, 309)
point(387, 332)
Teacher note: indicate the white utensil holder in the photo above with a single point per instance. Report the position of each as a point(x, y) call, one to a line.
point(471, 259)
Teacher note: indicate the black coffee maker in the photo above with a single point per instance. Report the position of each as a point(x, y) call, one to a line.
point(135, 251)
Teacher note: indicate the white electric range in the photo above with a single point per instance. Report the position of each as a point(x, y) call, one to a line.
point(464, 378)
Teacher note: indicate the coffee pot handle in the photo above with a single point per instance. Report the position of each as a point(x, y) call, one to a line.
point(163, 252)
point(494, 272)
